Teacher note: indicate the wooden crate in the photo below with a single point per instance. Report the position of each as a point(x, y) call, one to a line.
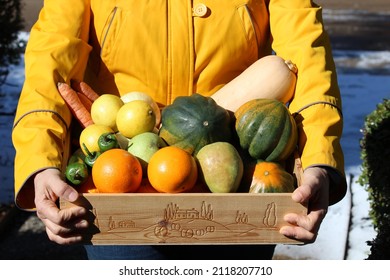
point(188, 218)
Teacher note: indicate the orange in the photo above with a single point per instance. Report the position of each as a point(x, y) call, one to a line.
point(172, 170)
point(117, 171)
point(146, 187)
point(87, 187)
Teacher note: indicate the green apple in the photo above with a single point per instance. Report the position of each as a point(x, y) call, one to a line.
point(144, 145)
point(122, 141)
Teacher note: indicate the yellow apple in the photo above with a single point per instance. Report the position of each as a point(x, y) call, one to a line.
point(138, 95)
point(90, 135)
point(134, 118)
point(104, 110)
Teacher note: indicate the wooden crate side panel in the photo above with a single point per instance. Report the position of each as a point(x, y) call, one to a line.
point(188, 218)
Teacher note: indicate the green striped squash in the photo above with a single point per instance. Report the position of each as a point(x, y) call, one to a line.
point(266, 129)
point(192, 122)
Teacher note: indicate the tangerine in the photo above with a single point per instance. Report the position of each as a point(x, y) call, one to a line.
point(87, 187)
point(146, 187)
point(117, 171)
point(172, 170)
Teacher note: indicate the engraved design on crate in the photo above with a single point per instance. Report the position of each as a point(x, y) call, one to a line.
point(180, 224)
point(269, 219)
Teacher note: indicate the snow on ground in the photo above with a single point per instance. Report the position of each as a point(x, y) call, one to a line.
point(343, 233)
point(364, 83)
point(331, 240)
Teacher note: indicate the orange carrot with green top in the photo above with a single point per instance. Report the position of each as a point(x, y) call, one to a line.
point(85, 89)
point(77, 108)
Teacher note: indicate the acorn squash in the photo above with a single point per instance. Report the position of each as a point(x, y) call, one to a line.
point(270, 177)
point(191, 122)
point(266, 129)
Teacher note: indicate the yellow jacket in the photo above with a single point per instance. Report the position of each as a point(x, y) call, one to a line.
point(168, 48)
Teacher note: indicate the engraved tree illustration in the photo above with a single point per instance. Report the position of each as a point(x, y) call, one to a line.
point(206, 212)
point(241, 218)
point(269, 219)
point(111, 223)
point(170, 211)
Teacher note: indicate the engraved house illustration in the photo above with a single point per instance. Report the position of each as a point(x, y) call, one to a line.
point(186, 214)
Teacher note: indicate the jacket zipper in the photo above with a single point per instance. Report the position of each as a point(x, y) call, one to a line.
point(108, 29)
point(253, 25)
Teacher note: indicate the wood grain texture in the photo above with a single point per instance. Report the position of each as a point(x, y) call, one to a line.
point(189, 218)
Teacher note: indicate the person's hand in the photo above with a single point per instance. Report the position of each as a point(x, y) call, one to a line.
point(62, 226)
point(314, 191)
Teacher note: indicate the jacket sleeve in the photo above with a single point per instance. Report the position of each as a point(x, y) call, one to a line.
point(298, 34)
point(57, 51)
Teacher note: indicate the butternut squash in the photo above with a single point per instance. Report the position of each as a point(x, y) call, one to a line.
point(269, 77)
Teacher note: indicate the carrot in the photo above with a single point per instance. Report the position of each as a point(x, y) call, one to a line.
point(85, 89)
point(86, 102)
point(77, 108)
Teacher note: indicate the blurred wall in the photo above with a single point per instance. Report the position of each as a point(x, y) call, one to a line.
point(31, 7)
point(30, 11)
